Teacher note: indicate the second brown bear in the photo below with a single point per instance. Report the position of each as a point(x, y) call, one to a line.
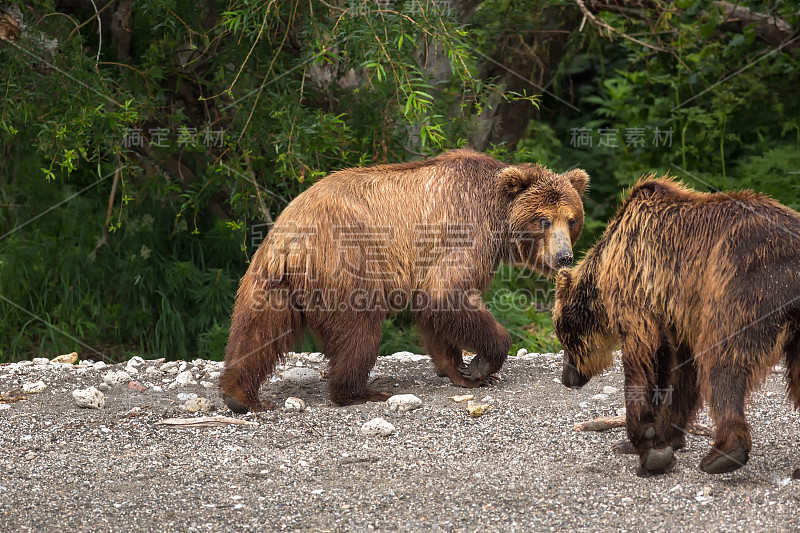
point(364, 242)
point(702, 292)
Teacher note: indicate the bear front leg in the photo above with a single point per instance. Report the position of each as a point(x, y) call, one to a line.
point(448, 361)
point(470, 327)
point(640, 365)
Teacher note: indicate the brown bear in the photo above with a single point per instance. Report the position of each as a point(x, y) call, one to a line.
point(364, 242)
point(702, 293)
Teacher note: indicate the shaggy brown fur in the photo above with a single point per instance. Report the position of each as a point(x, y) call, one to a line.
point(364, 242)
point(702, 292)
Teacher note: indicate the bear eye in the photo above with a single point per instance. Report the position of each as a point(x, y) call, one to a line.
point(545, 223)
point(571, 223)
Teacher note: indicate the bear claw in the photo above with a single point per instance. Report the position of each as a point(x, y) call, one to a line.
point(235, 405)
point(717, 462)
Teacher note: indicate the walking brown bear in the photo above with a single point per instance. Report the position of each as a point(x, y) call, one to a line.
point(702, 292)
point(363, 242)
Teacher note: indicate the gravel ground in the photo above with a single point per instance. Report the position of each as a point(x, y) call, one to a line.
point(519, 467)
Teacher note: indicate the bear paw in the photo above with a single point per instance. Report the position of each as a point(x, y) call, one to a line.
point(717, 462)
point(656, 461)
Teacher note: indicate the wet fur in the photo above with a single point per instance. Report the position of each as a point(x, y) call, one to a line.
point(430, 231)
point(702, 293)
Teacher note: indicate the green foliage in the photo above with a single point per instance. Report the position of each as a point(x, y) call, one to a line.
point(242, 109)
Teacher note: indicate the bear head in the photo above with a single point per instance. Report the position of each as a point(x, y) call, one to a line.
point(545, 215)
point(581, 323)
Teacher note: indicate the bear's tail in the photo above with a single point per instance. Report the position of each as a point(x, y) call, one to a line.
point(264, 326)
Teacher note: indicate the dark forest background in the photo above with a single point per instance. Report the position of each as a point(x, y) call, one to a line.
point(144, 145)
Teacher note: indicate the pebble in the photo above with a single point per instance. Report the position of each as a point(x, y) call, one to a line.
point(214, 375)
point(90, 398)
point(132, 370)
point(316, 357)
point(136, 361)
point(169, 368)
point(115, 378)
point(184, 379)
point(100, 365)
point(600, 397)
point(105, 387)
point(69, 358)
point(184, 396)
point(377, 427)
point(34, 386)
point(610, 390)
point(198, 405)
point(41, 361)
point(407, 357)
point(403, 403)
point(301, 375)
point(4, 406)
point(136, 386)
point(522, 352)
point(151, 371)
point(294, 404)
point(206, 384)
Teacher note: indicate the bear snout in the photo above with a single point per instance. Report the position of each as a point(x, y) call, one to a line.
point(571, 378)
point(563, 259)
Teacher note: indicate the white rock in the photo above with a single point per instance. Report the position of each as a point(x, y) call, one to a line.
point(132, 370)
point(406, 357)
point(104, 387)
point(90, 398)
point(115, 378)
point(622, 412)
point(377, 427)
point(403, 403)
point(301, 375)
point(600, 397)
point(198, 405)
point(157, 388)
point(206, 384)
point(184, 379)
point(33, 387)
point(41, 361)
point(610, 390)
point(214, 375)
point(185, 396)
point(522, 352)
point(100, 365)
point(169, 368)
point(4, 406)
point(294, 404)
point(151, 371)
point(135, 361)
point(182, 366)
point(316, 357)
point(583, 405)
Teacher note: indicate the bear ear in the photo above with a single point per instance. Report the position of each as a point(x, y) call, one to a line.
point(513, 180)
point(563, 282)
point(579, 180)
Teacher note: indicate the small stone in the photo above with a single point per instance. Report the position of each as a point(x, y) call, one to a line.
point(151, 371)
point(136, 361)
point(184, 379)
point(462, 398)
point(403, 403)
point(476, 409)
point(4, 406)
point(132, 370)
point(115, 378)
point(522, 352)
point(69, 358)
point(622, 411)
point(206, 384)
point(30, 456)
point(406, 357)
point(377, 427)
point(182, 365)
point(214, 375)
point(157, 388)
point(583, 405)
point(198, 405)
point(599, 397)
point(316, 357)
point(34, 387)
point(41, 361)
point(90, 398)
point(136, 386)
point(796, 474)
point(100, 365)
point(105, 387)
point(610, 390)
point(294, 404)
point(301, 375)
point(169, 368)
point(184, 396)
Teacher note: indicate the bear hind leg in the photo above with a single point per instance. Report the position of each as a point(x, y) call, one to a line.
point(728, 392)
point(352, 352)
